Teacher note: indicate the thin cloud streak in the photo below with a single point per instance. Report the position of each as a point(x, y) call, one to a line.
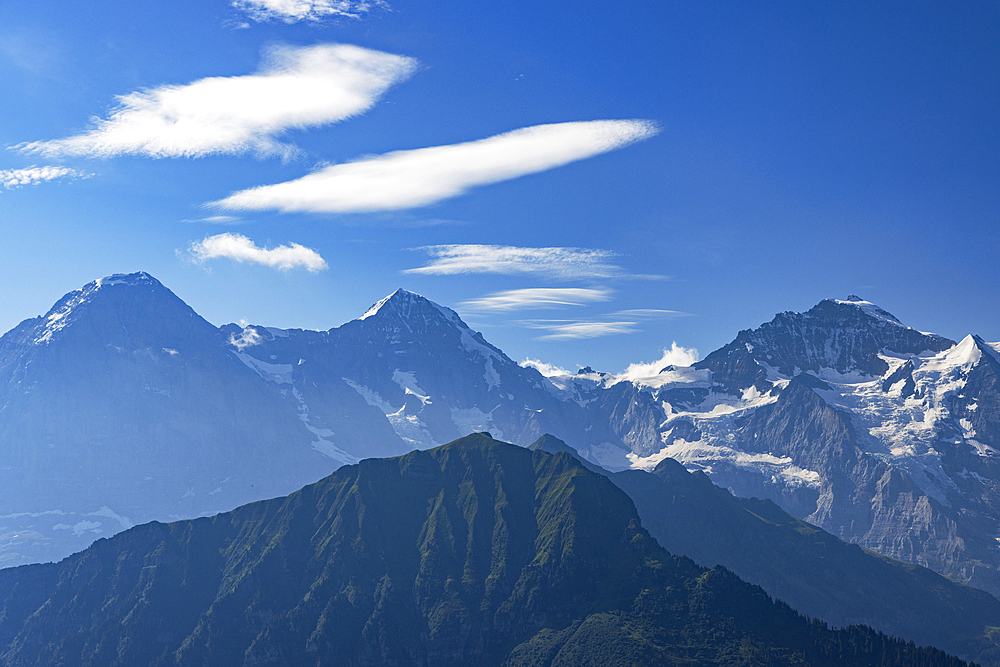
point(554, 262)
point(649, 313)
point(293, 11)
point(296, 88)
point(15, 178)
point(241, 249)
point(414, 178)
point(621, 322)
point(217, 220)
point(571, 330)
point(536, 297)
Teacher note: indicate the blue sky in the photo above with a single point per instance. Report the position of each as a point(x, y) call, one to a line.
point(585, 186)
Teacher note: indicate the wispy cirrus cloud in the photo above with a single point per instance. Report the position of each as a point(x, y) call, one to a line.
point(569, 329)
point(293, 11)
point(217, 220)
point(413, 178)
point(15, 178)
point(648, 313)
point(553, 262)
point(297, 87)
point(620, 322)
point(536, 297)
point(241, 249)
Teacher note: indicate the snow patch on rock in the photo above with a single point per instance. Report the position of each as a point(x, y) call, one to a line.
point(277, 373)
point(474, 420)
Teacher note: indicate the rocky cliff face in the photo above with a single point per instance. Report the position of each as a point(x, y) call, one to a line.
point(844, 336)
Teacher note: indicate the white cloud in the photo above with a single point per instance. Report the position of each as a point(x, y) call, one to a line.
point(15, 178)
point(217, 220)
point(241, 249)
point(648, 313)
point(553, 262)
point(548, 370)
point(296, 88)
point(537, 297)
point(621, 322)
point(568, 330)
point(675, 356)
point(412, 178)
point(292, 11)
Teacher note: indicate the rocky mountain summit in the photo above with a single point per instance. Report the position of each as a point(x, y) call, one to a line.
point(848, 336)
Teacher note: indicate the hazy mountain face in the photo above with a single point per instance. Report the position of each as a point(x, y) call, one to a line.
point(475, 553)
point(122, 405)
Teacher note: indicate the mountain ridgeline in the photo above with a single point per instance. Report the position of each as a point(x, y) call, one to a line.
point(474, 553)
point(844, 336)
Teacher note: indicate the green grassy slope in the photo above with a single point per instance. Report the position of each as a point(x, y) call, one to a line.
point(474, 553)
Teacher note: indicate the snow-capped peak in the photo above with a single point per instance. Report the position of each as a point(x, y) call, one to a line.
point(399, 294)
point(407, 315)
point(138, 278)
point(62, 312)
point(405, 304)
point(870, 309)
point(965, 354)
point(969, 351)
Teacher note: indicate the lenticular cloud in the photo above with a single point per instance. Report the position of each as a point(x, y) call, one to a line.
point(553, 262)
point(412, 178)
point(537, 297)
point(296, 88)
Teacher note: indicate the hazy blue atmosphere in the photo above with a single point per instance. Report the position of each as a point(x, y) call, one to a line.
point(758, 158)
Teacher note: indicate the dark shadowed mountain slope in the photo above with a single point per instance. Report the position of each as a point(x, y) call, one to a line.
point(816, 573)
point(475, 553)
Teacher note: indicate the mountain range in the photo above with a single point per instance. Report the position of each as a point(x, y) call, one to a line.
point(121, 405)
point(477, 552)
point(878, 433)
